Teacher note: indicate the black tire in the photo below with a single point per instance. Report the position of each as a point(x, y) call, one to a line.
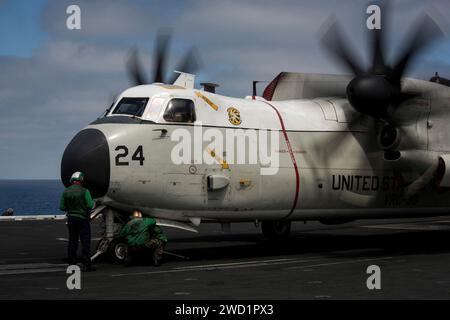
point(276, 230)
point(117, 250)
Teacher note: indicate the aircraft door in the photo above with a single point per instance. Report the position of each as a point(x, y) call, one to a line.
point(182, 180)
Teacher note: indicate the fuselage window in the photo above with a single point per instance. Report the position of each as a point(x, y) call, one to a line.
point(180, 110)
point(131, 106)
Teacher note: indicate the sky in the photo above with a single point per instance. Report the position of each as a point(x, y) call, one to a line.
point(54, 81)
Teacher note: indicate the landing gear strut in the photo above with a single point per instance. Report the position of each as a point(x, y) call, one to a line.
point(114, 247)
point(276, 230)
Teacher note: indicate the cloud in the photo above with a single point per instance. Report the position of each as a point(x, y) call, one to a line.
point(99, 19)
point(44, 100)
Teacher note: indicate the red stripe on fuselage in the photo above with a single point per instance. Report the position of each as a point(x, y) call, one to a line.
point(294, 162)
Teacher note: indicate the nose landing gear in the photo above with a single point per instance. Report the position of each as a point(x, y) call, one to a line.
point(114, 247)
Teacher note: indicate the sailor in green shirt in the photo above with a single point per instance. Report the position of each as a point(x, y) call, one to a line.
point(142, 232)
point(77, 202)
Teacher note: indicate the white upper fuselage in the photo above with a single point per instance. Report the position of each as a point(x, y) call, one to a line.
point(297, 114)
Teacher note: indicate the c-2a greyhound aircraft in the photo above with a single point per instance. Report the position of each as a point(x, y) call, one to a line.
point(339, 148)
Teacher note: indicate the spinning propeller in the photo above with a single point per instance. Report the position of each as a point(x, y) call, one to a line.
point(376, 88)
point(189, 63)
point(376, 91)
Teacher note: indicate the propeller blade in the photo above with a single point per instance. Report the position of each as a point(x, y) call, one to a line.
point(378, 38)
point(359, 123)
point(426, 32)
point(162, 44)
point(334, 42)
point(189, 64)
point(421, 182)
point(135, 69)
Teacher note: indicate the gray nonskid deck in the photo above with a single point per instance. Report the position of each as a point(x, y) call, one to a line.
point(318, 262)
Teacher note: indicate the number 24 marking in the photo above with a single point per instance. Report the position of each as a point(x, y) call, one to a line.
point(138, 155)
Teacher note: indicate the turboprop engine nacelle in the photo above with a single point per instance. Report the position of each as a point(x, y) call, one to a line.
point(444, 170)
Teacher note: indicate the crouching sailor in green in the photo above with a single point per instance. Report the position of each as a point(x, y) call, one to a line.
point(141, 233)
point(77, 202)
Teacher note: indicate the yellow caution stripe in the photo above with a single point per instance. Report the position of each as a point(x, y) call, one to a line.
point(222, 162)
point(209, 102)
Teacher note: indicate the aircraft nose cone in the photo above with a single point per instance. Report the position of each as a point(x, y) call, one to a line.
point(88, 152)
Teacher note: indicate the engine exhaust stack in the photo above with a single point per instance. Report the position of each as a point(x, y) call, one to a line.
point(209, 87)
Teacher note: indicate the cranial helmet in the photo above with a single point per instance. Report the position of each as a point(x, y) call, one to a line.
point(77, 176)
point(137, 214)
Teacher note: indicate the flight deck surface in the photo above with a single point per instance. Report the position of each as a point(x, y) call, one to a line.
point(317, 262)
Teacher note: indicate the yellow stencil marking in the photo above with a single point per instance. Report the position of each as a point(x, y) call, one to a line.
point(245, 182)
point(234, 116)
point(209, 102)
point(222, 162)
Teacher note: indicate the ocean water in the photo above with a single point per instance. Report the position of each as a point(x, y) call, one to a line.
point(31, 196)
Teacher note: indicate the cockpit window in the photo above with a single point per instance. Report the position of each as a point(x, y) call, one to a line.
point(180, 110)
point(131, 106)
point(106, 112)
